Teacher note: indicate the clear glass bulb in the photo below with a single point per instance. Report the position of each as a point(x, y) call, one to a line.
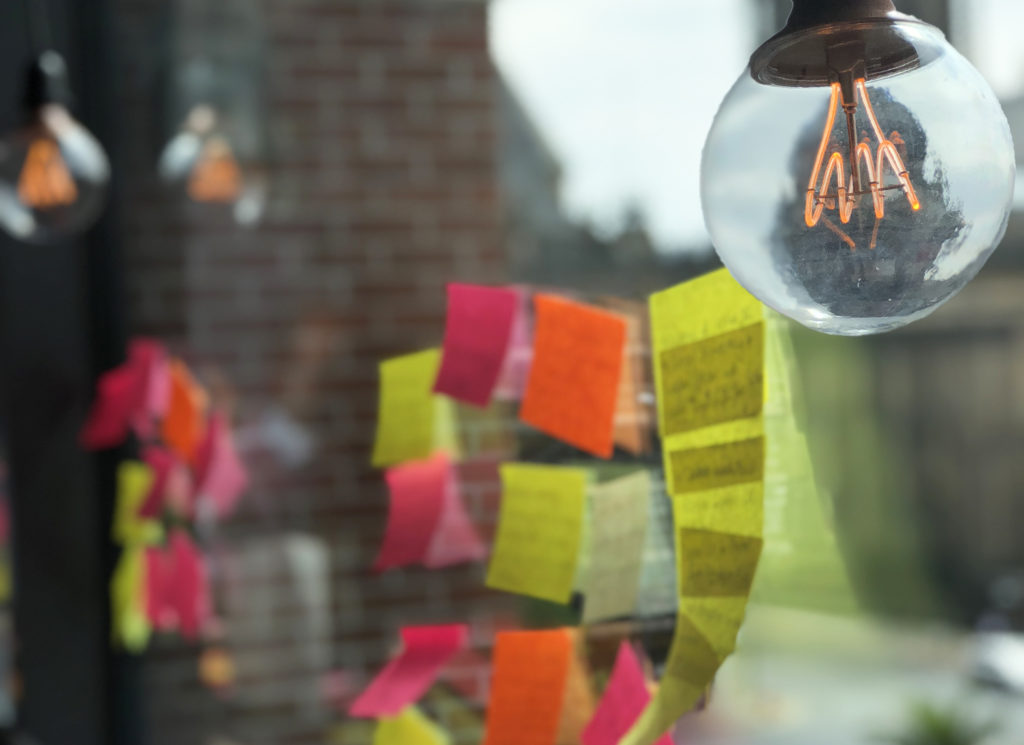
point(860, 234)
point(201, 159)
point(53, 177)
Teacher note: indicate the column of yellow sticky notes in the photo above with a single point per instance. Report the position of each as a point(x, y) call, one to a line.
point(708, 357)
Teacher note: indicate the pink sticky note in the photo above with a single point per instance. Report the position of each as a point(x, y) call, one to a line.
point(177, 588)
point(455, 539)
point(516, 370)
point(172, 484)
point(221, 476)
point(624, 699)
point(425, 650)
point(149, 360)
point(476, 339)
point(417, 500)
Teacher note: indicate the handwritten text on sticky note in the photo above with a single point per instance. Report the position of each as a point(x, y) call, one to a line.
point(539, 531)
point(573, 385)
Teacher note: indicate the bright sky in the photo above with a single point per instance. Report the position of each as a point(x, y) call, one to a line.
point(989, 35)
point(625, 91)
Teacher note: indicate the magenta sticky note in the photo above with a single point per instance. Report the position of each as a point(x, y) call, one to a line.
point(476, 339)
point(516, 370)
point(455, 539)
point(177, 587)
point(417, 494)
point(624, 699)
point(112, 410)
point(131, 396)
point(221, 477)
point(425, 651)
point(172, 484)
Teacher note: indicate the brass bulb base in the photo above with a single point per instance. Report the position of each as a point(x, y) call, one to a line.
point(804, 53)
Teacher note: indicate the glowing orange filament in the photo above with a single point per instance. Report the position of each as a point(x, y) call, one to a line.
point(216, 177)
point(45, 182)
point(865, 167)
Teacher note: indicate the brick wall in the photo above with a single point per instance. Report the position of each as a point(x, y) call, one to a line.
point(381, 116)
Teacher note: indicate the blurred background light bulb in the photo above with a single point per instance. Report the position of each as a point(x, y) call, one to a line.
point(860, 172)
point(53, 172)
point(200, 157)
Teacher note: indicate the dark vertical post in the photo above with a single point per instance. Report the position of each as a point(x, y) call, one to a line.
point(59, 324)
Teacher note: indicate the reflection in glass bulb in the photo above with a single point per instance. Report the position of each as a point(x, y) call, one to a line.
point(53, 177)
point(203, 160)
point(877, 218)
point(215, 177)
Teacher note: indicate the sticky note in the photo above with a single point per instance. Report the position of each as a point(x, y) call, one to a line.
point(412, 422)
point(539, 531)
point(476, 340)
point(573, 386)
point(717, 466)
point(131, 629)
point(709, 361)
point(632, 420)
point(527, 687)
point(519, 356)
point(656, 595)
point(618, 528)
point(108, 420)
point(410, 727)
point(171, 487)
point(624, 699)
point(425, 651)
point(455, 539)
point(578, 703)
point(417, 499)
point(148, 358)
point(134, 481)
point(712, 381)
point(131, 396)
point(221, 477)
point(715, 563)
point(183, 424)
point(177, 581)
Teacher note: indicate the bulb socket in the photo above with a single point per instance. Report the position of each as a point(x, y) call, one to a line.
point(803, 53)
point(47, 81)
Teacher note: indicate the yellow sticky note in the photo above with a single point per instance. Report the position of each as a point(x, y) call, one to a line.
point(618, 528)
point(714, 380)
point(134, 480)
point(701, 308)
point(413, 422)
point(539, 528)
point(131, 627)
point(410, 727)
point(716, 564)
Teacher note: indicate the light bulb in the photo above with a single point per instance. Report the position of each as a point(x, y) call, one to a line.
point(860, 172)
point(201, 158)
point(53, 172)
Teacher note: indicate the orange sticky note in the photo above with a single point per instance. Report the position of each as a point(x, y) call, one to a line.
point(573, 386)
point(183, 426)
point(528, 687)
